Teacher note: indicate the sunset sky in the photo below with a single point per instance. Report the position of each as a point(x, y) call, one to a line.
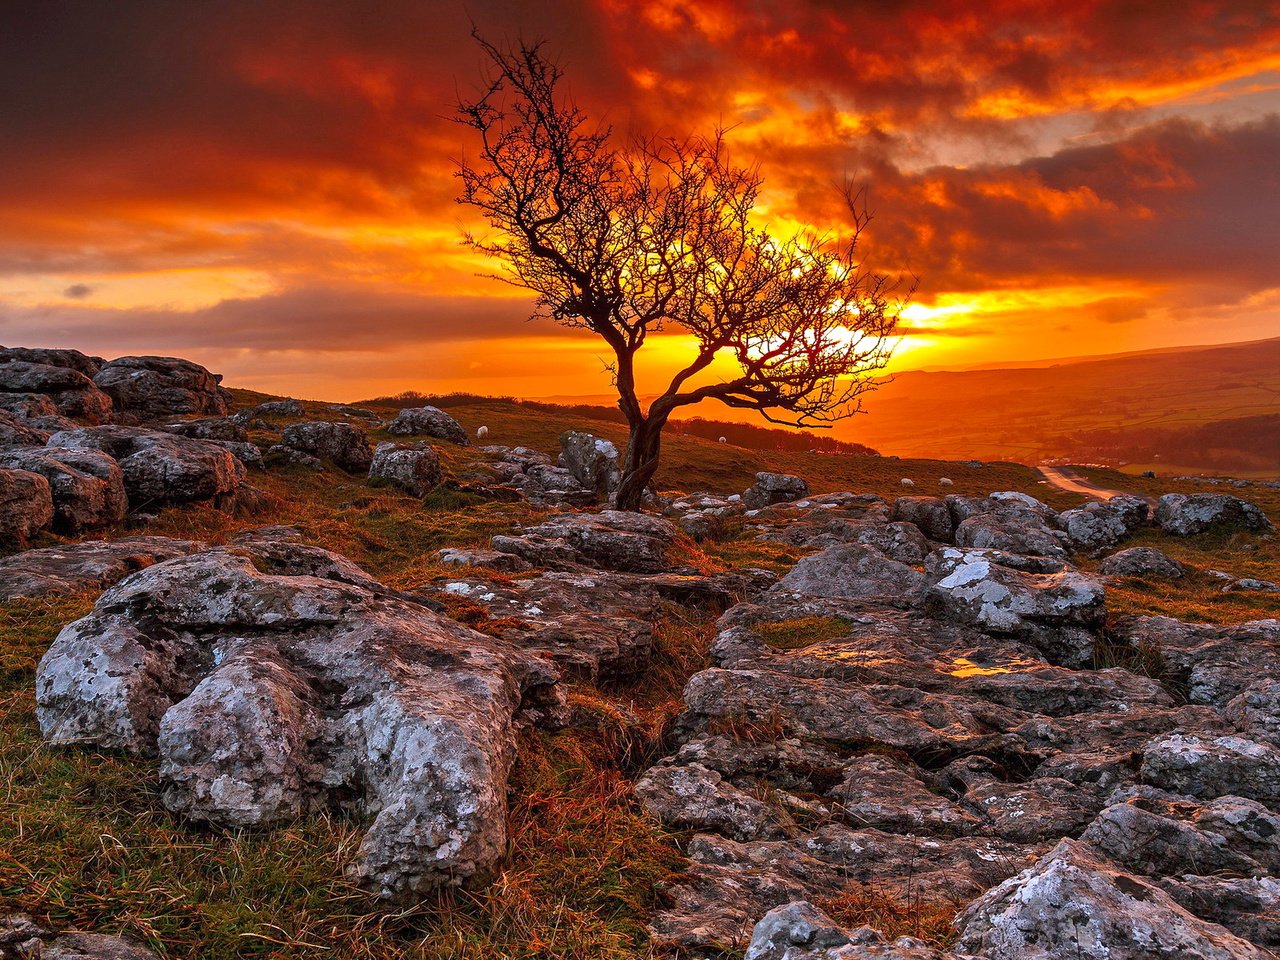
point(267, 188)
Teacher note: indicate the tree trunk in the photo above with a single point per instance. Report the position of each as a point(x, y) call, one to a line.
point(641, 463)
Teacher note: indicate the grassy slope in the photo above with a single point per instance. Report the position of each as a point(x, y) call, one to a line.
point(85, 840)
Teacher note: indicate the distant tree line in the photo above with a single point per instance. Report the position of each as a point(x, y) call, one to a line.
point(739, 434)
point(1241, 443)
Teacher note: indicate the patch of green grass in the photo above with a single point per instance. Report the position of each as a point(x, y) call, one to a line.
point(800, 632)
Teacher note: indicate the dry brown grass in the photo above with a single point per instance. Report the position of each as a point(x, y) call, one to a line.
point(906, 915)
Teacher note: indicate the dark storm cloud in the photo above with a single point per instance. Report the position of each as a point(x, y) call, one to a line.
point(323, 318)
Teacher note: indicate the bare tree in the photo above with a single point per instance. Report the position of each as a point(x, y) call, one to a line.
point(627, 239)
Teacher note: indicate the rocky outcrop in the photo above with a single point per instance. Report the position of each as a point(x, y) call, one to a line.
point(87, 485)
point(26, 505)
point(1073, 904)
point(608, 540)
point(16, 431)
point(71, 392)
point(342, 444)
point(152, 388)
point(160, 468)
point(291, 682)
point(1061, 613)
point(81, 567)
point(531, 474)
point(1100, 525)
point(771, 488)
point(1145, 562)
point(414, 468)
point(930, 514)
point(854, 571)
point(1184, 515)
point(54, 357)
point(593, 462)
point(427, 422)
point(210, 428)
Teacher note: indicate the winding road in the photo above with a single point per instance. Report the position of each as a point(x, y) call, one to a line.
point(1064, 478)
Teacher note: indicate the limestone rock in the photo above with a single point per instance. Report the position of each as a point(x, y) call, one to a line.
point(151, 388)
point(414, 468)
point(270, 695)
point(1099, 525)
point(78, 567)
point(592, 461)
point(772, 488)
point(15, 431)
point(1184, 515)
point(73, 393)
point(342, 444)
point(1217, 767)
point(930, 514)
point(26, 505)
point(428, 422)
point(1146, 562)
point(609, 540)
point(87, 484)
point(210, 428)
point(1074, 906)
point(1061, 613)
point(160, 468)
point(853, 571)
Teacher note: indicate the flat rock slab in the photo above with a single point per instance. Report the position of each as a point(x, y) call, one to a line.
point(278, 689)
point(81, 567)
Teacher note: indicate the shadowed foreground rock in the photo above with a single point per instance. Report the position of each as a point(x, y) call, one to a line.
point(79, 567)
point(269, 695)
point(20, 936)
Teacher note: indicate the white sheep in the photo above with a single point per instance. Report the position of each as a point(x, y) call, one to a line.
point(907, 482)
point(945, 482)
point(724, 439)
point(481, 432)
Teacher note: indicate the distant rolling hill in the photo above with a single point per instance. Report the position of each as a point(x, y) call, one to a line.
point(1212, 409)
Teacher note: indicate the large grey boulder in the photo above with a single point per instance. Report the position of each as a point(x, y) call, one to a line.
point(160, 468)
point(853, 571)
point(151, 388)
point(1073, 905)
point(1146, 562)
point(428, 422)
point(79, 567)
point(1060, 613)
point(414, 468)
point(1185, 515)
point(73, 393)
point(87, 485)
point(930, 514)
point(271, 695)
point(1099, 525)
point(342, 444)
point(26, 505)
point(1011, 531)
point(771, 488)
point(592, 461)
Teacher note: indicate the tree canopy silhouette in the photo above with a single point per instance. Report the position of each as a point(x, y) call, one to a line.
point(626, 237)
